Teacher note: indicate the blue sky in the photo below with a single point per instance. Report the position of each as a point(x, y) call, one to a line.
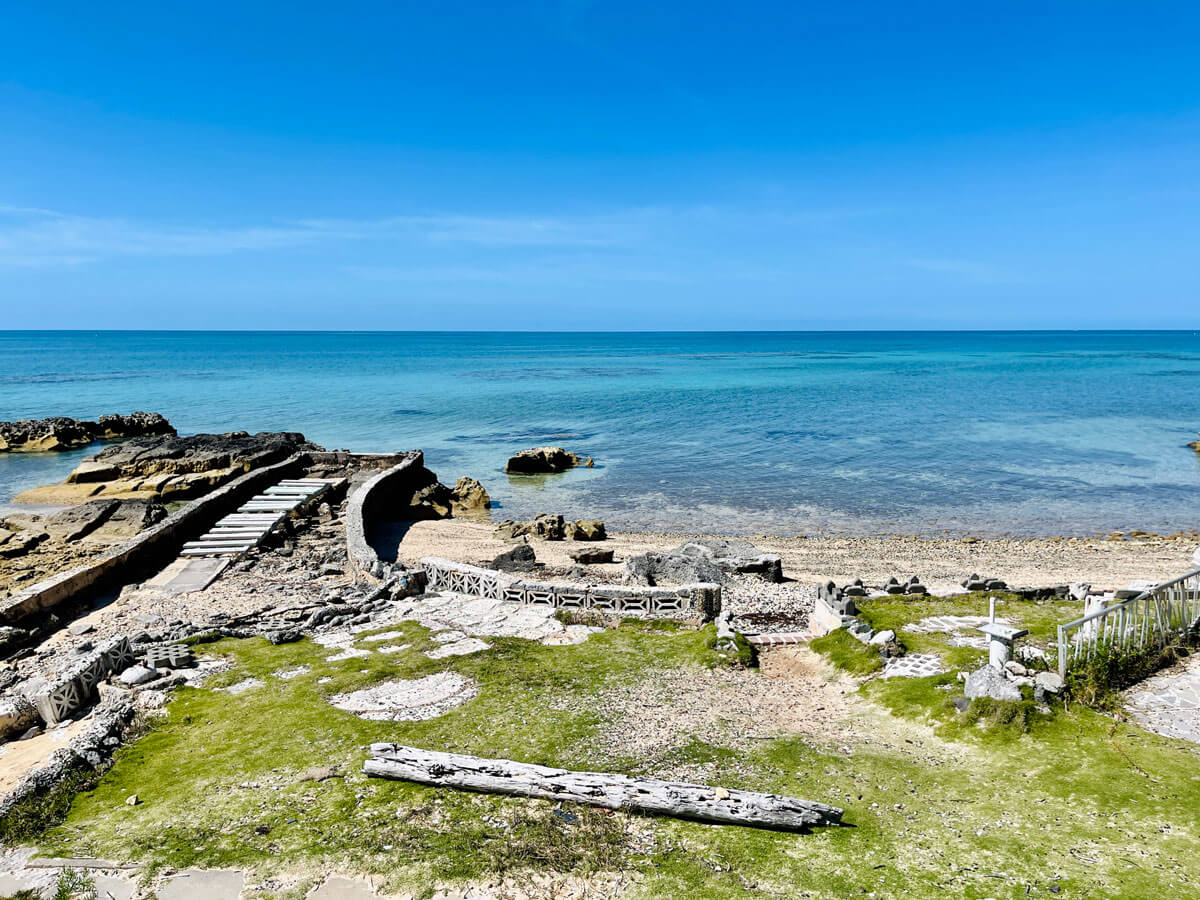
point(581, 165)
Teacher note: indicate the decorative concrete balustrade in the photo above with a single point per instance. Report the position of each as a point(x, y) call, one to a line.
point(690, 602)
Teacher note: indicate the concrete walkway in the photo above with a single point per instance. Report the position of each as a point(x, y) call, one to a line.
point(20, 872)
point(1169, 703)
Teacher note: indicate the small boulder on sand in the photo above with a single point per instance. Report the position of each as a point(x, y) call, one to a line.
point(520, 558)
point(590, 556)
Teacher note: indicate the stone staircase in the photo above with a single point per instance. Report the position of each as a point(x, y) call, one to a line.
point(246, 528)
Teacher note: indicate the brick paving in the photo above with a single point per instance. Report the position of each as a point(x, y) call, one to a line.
point(779, 639)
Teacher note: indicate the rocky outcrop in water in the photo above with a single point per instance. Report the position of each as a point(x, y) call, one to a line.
point(545, 461)
point(469, 497)
point(61, 433)
point(170, 467)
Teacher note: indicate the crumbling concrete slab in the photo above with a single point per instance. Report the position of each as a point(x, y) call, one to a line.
point(339, 888)
point(199, 884)
point(109, 887)
point(196, 574)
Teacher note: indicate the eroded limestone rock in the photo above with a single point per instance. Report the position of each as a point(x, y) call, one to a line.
point(988, 681)
point(469, 497)
point(169, 467)
point(706, 560)
point(545, 461)
point(62, 433)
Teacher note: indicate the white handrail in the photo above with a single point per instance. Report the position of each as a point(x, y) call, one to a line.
point(1168, 609)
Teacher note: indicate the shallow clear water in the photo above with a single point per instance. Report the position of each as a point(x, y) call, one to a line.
point(1028, 433)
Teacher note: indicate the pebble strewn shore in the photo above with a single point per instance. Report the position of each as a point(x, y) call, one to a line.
point(941, 563)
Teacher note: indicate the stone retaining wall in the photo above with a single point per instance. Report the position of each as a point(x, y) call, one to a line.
point(690, 602)
point(154, 545)
point(824, 618)
point(360, 461)
point(365, 505)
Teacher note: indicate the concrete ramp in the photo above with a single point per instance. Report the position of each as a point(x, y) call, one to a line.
point(188, 574)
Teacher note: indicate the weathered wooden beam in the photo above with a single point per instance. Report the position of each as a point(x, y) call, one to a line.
point(610, 791)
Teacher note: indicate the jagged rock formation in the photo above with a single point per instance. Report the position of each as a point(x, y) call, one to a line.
point(552, 528)
point(520, 558)
point(61, 433)
point(545, 461)
point(590, 556)
point(705, 560)
point(169, 467)
point(469, 497)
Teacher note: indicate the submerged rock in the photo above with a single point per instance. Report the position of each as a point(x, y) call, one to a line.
point(545, 461)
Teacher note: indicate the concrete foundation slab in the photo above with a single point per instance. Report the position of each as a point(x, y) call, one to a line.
point(196, 575)
point(339, 888)
point(198, 884)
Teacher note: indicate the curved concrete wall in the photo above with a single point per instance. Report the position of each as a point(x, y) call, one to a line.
point(366, 505)
point(148, 547)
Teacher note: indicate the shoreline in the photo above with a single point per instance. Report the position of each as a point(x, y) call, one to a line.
point(942, 563)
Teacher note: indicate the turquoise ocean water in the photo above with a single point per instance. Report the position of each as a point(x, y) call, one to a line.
point(792, 433)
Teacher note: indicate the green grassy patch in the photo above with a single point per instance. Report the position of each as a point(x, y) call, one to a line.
point(976, 805)
point(848, 653)
point(37, 812)
point(1099, 679)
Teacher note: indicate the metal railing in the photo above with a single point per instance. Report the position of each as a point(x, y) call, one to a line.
point(1151, 619)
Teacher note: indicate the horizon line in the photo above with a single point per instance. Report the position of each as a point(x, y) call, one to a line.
point(1196, 329)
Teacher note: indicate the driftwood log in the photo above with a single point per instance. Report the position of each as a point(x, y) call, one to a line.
point(610, 791)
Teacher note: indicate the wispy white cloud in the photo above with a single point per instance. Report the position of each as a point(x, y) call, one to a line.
point(31, 237)
point(969, 270)
point(563, 272)
point(41, 238)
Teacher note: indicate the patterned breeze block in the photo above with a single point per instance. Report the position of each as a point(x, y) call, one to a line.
point(89, 673)
point(698, 601)
point(117, 653)
point(78, 685)
point(172, 656)
point(59, 700)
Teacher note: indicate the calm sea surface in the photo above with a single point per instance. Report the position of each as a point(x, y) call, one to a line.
point(869, 433)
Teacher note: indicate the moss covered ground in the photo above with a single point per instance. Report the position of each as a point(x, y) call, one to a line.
point(1070, 804)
